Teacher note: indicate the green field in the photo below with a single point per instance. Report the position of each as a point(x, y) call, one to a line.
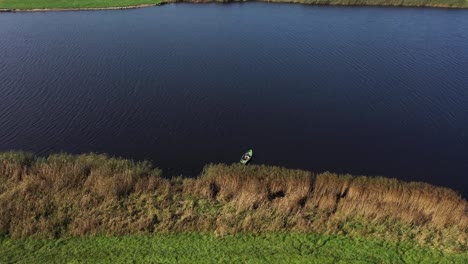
point(204, 248)
point(76, 4)
point(72, 4)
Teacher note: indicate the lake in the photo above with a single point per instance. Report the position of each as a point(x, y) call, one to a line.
point(360, 90)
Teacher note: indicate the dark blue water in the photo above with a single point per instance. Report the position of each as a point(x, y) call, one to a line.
point(368, 91)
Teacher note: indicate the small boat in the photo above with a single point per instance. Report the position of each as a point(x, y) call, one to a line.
point(246, 157)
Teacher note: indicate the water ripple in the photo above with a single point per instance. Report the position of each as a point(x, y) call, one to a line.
point(333, 87)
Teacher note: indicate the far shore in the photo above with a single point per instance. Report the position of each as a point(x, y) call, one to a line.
point(30, 7)
point(81, 8)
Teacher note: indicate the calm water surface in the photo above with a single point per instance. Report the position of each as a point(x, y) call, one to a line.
point(372, 91)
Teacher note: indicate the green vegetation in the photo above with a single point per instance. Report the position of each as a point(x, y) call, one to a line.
point(415, 3)
point(72, 4)
point(66, 196)
point(206, 248)
point(78, 4)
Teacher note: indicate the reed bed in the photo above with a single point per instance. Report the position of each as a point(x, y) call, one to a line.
point(67, 195)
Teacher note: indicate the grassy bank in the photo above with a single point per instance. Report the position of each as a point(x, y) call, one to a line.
point(72, 4)
point(75, 196)
point(85, 4)
point(206, 248)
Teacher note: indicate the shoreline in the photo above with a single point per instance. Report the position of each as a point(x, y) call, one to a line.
point(10, 10)
point(15, 10)
point(80, 195)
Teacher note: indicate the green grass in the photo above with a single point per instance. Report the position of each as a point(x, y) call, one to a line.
point(57, 4)
point(206, 248)
point(73, 4)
